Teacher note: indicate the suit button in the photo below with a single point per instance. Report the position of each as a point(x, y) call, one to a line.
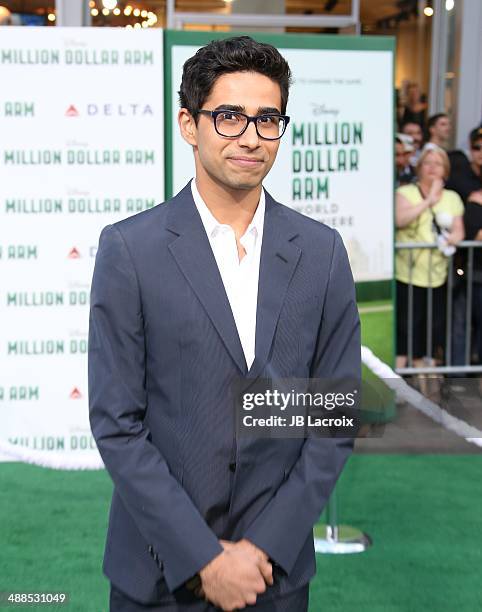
point(151, 550)
point(232, 466)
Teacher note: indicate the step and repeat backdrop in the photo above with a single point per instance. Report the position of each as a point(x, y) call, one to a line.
point(82, 145)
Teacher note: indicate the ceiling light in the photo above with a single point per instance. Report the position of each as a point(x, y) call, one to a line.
point(51, 17)
point(449, 5)
point(117, 11)
point(94, 12)
point(109, 4)
point(428, 11)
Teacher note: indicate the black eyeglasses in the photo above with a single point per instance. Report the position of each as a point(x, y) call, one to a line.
point(477, 147)
point(232, 124)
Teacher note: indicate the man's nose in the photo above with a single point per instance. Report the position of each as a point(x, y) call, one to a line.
point(249, 138)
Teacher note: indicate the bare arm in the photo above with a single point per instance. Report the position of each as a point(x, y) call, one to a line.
point(405, 212)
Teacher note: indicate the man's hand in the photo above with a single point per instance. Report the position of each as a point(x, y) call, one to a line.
point(265, 566)
point(237, 576)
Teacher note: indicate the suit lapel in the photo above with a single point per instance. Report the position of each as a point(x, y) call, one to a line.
point(279, 258)
point(195, 258)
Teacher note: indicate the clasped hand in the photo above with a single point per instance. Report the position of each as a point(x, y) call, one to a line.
point(236, 576)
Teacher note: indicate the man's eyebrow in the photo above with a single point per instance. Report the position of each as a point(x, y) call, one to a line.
point(262, 110)
point(231, 107)
point(268, 109)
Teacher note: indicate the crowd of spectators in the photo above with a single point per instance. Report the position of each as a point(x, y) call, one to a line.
point(438, 201)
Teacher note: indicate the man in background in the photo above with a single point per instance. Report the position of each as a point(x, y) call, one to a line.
point(414, 130)
point(466, 171)
point(466, 179)
point(403, 151)
point(439, 130)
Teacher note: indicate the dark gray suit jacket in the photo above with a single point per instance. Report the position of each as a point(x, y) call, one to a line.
point(163, 354)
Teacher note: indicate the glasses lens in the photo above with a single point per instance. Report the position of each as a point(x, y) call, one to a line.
point(271, 126)
point(230, 124)
point(477, 147)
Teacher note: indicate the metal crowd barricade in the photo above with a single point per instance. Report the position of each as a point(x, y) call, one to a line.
point(449, 368)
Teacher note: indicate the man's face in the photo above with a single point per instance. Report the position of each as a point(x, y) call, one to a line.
point(476, 149)
point(415, 131)
point(413, 93)
point(442, 128)
point(244, 161)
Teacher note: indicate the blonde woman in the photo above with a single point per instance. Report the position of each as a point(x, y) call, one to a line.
point(425, 212)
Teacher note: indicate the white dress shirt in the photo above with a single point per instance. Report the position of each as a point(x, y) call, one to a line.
point(240, 278)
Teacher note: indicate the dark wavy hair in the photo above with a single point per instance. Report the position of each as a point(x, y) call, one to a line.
point(236, 54)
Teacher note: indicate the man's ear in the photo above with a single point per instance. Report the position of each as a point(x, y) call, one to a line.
point(187, 126)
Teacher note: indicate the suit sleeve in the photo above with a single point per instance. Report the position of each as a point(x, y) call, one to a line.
point(160, 507)
point(282, 527)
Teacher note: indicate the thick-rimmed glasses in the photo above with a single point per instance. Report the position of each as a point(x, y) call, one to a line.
point(232, 124)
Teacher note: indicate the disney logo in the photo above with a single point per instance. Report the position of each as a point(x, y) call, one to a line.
point(321, 109)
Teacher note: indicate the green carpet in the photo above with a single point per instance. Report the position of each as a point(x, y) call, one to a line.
point(422, 512)
point(376, 320)
point(424, 516)
point(377, 332)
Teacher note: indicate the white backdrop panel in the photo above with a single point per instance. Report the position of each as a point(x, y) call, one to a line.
point(81, 118)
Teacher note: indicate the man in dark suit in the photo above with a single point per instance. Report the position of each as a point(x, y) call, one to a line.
point(219, 283)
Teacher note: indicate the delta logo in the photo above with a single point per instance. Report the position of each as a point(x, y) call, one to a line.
point(75, 394)
point(72, 111)
point(74, 253)
point(128, 109)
